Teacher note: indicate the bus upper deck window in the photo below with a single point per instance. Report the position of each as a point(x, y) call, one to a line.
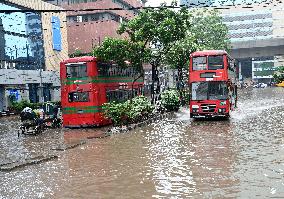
point(76, 70)
point(199, 63)
point(215, 62)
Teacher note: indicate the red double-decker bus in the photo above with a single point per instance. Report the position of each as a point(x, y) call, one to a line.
point(86, 84)
point(213, 84)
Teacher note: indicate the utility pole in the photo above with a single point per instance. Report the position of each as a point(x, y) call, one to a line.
point(41, 96)
point(16, 51)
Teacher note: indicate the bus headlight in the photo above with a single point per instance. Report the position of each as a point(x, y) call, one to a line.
point(221, 110)
point(195, 108)
point(223, 103)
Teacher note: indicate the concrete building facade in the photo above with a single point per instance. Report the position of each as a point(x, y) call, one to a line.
point(196, 3)
point(256, 34)
point(87, 29)
point(32, 44)
point(257, 38)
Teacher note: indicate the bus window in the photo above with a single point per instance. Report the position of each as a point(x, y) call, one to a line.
point(209, 91)
point(199, 91)
point(76, 70)
point(78, 97)
point(199, 63)
point(217, 91)
point(215, 62)
point(102, 68)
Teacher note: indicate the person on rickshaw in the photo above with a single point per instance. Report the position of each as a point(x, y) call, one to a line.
point(36, 115)
point(27, 114)
point(40, 116)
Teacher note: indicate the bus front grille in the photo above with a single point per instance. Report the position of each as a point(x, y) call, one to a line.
point(208, 108)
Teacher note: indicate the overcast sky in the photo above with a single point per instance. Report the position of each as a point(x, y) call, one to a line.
point(157, 2)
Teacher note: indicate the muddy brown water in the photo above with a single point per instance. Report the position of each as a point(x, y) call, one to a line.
point(171, 158)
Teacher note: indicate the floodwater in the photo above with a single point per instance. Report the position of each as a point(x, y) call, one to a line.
point(171, 158)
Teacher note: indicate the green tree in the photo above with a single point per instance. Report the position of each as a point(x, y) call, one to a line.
point(122, 51)
point(159, 28)
point(77, 53)
point(207, 32)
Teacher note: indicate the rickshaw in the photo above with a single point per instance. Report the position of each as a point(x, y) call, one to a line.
point(31, 124)
point(52, 115)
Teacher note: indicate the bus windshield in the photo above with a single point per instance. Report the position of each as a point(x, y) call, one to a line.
point(76, 70)
point(215, 62)
point(209, 91)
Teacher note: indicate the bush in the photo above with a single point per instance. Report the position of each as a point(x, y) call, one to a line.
point(140, 108)
point(116, 112)
point(127, 112)
point(170, 100)
point(19, 106)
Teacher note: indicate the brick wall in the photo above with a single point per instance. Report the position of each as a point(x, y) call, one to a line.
point(84, 35)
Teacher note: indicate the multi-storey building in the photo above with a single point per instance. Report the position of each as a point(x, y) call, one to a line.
point(257, 37)
point(196, 3)
point(256, 34)
point(32, 44)
point(87, 29)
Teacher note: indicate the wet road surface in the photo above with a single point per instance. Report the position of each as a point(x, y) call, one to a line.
point(172, 158)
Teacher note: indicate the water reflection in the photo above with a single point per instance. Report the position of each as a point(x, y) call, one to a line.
point(214, 158)
point(195, 159)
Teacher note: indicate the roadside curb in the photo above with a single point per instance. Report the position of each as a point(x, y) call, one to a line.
point(123, 129)
point(30, 161)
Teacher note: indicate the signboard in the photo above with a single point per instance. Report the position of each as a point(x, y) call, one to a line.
point(14, 94)
point(263, 69)
point(56, 33)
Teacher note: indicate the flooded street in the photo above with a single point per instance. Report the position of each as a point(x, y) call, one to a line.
point(173, 158)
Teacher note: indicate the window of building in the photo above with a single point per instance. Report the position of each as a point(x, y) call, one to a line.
point(85, 18)
point(80, 1)
point(21, 43)
point(79, 19)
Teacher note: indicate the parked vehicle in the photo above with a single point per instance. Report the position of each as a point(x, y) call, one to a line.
point(86, 84)
point(34, 122)
point(52, 115)
point(213, 84)
point(280, 84)
point(260, 85)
